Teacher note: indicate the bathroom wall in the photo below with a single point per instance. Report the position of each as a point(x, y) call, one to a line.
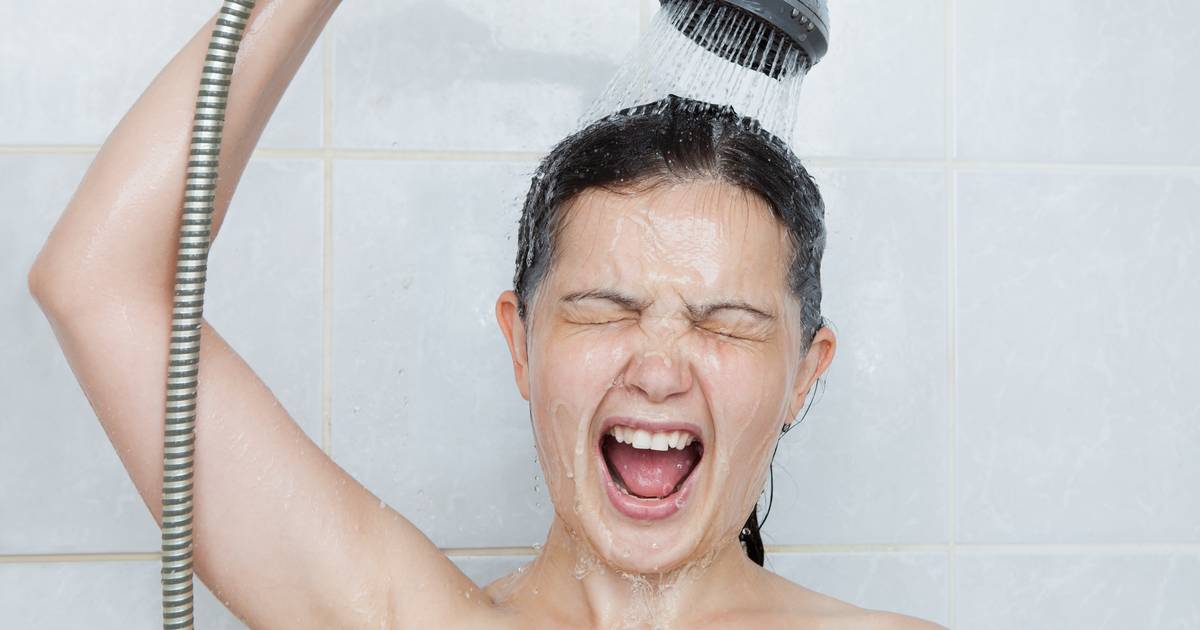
point(1008, 436)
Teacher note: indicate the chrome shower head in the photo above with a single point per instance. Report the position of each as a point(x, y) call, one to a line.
point(781, 26)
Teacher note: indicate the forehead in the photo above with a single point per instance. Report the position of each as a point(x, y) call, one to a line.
point(698, 235)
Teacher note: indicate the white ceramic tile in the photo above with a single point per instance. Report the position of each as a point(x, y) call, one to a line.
point(472, 74)
point(1078, 80)
point(868, 464)
point(110, 595)
point(880, 90)
point(71, 71)
point(425, 410)
point(62, 487)
point(912, 584)
point(1077, 302)
point(484, 570)
point(1104, 591)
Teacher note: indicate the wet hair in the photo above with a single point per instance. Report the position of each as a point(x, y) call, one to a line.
point(677, 140)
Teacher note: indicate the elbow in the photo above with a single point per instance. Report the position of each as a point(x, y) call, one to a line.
point(47, 290)
point(36, 282)
point(65, 292)
point(39, 291)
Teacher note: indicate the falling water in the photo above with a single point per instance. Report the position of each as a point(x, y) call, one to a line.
point(710, 51)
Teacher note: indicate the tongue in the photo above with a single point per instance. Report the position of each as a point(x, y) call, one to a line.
point(649, 473)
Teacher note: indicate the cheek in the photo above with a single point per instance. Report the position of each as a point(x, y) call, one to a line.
point(569, 378)
point(747, 392)
point(744, 385)
point(578, 369)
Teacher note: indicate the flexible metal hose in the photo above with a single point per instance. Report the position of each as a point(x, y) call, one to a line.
point(195, 236)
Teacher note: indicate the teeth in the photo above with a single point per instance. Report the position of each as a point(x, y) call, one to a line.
point(652, 440)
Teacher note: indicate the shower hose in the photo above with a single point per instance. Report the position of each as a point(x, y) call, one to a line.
point(195, 236)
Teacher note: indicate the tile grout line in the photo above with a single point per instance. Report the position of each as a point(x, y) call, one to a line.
point(988, 548)
point(470, 155)
point(327, 244)
point(951, 131)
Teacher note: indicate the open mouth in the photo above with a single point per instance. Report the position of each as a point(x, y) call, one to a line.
point(650, 465)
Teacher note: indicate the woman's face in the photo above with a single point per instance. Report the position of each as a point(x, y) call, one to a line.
point(666, 318)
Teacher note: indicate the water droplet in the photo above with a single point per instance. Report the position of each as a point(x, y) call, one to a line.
point(382, 504)
point(537, 546)
point(570, 475)
point(654, 545)
point(536, 488)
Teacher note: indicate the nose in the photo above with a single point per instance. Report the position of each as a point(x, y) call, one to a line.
point(658, 369)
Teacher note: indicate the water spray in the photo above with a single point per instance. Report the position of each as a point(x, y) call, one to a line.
point(788, 24)
point(751, 55)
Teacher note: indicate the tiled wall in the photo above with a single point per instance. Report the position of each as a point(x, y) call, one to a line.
point(1009, 436)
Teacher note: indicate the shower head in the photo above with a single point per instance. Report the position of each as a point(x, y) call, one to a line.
point(775, 37)
point(751, 55)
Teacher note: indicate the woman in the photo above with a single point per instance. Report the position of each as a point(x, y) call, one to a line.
point(664, 327)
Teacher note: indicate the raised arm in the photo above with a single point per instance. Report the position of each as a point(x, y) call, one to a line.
point(281, 533)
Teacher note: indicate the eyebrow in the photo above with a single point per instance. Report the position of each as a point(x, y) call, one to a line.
point(696, 312)
point(702, 311)
point(622, 299)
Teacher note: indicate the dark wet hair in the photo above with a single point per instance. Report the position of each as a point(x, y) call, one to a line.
point(677, 140)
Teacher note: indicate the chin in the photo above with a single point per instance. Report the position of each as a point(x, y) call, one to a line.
point(643, 549)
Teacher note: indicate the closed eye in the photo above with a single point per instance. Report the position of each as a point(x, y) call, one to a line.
point(599, 322)
point(720, 332)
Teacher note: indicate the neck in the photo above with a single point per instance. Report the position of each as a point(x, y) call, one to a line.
point(576, 587)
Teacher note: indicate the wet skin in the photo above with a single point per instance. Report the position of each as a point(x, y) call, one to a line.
point(666, 304)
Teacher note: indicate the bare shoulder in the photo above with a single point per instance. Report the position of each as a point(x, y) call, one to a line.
point(806, 608)
point(881, 620)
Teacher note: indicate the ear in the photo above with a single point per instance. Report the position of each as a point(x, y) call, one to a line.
point(820, 355)
point(514, 333)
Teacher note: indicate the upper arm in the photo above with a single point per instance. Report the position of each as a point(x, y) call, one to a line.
point(281, 533)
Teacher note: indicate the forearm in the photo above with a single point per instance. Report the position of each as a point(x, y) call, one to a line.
point(117, 237)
